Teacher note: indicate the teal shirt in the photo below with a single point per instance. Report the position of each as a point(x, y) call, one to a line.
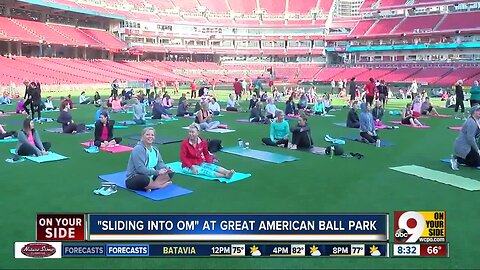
point(319, 107)
point(279, 130)
point(152, 159)
point(475, 93)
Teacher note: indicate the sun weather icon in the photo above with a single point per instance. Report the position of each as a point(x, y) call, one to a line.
point(374, 251)
point(254, 251)
point(314, 251)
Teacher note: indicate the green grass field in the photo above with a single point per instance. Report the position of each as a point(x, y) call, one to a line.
point(314, 184)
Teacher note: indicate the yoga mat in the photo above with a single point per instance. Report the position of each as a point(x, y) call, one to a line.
point(258, 154)
point(447, 160)
point(217, 130)
point(314, 150)
point(383, 127)
point(243, 120)
point(442, 116)
point(169, 120)
point(357, 138)
point(60, 130)
point(340, 124)
point(328, 115)
point(41, 159)
point(9, 140)
point(440, 177)
point(114, 127)
point(171, 191)
point(47, 111)
point(158, 140)
point(400, 123)
point(114, 150)
point(455, 128)
point(177, 168)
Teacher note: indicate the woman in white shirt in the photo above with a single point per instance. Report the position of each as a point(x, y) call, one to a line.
point(84, 99)
point(214, 107)
point(231, 104)
point(49, 104)
point(270, 108)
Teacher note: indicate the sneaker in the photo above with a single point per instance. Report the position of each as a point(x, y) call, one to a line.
point(454, 164)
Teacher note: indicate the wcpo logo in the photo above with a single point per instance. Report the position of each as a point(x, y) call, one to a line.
point(29, 250)
point(420, 226)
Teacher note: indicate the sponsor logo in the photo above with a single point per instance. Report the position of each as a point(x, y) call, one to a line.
point(38, 249)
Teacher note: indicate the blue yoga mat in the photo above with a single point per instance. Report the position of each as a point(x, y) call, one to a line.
point(258, 154)
point(114, 127)
point(177, 168)
point(357, 139)
point(41, 159)
point(9, 140)
point(447, 160)
point(340, 124)
point(171, 191)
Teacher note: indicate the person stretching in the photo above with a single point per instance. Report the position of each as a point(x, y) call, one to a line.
point(138, 112)
point(256, 114)
point(146, 169)
point(65, 118)
point(465, 149)
point(408, 118)
point(271, 108)
point(196, 158)
point(29, 142)
point(204, 118)
point(367, 125)
point(104, 132)
point(352, 117)
point(279, 131)
point(301, 135)
point(428, 109)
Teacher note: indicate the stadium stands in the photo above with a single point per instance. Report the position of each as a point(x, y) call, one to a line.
point(418, 23)
point(361, 28)
point(273, 6)
point(460, 21)
point(301, 7)
point(383, 27)
point(244, 6)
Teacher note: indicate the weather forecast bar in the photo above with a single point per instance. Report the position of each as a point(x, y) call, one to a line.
point(225, 250)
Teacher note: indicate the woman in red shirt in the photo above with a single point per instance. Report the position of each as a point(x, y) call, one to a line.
point(195, 157)
point(370, 91)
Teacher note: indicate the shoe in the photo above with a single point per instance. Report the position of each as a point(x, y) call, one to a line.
point(454, 164)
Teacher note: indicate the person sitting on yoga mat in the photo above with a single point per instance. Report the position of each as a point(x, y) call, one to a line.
point(232, 104)
point(319, 106)
point(367, 125)
point(104, 132)
point(253, 101)
point(103, 108)
point(256, 114)
point(167, 101)
point(279, 131)
point(49, 104)
point(182, 109)
point(146, 169)
point(158, 111)
point(65, 118)
point(352, 117)
point(83, 99)
point(327, 102)
point(290, 106)
point(302, 102)
point(428, 109)
point(204, 118)
point(474, 94)
point(20, 107)
point(466, 149)
point(270, 109)
point(301, 135)
point(29, 142)
point(138, 112)
point(117, 105)
point(214, 107)
point(408, 118)
point(196, 158)
point(97, 100)
point(377, 113)
point(417, 106)
point(6, 134)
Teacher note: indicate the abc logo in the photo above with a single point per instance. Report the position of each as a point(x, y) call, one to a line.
point(401, 235)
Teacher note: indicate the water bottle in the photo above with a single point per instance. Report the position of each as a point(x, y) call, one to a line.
point(240, 142)
point(378, 143)
point(332, 151)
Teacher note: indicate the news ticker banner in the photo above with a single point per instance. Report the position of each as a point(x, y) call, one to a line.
point(213, 227)
point(92, 250)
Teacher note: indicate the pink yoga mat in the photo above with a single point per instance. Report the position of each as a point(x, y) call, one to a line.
point(400, 123)
point(383, 127)
point(114, 150)
point(455, 128)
